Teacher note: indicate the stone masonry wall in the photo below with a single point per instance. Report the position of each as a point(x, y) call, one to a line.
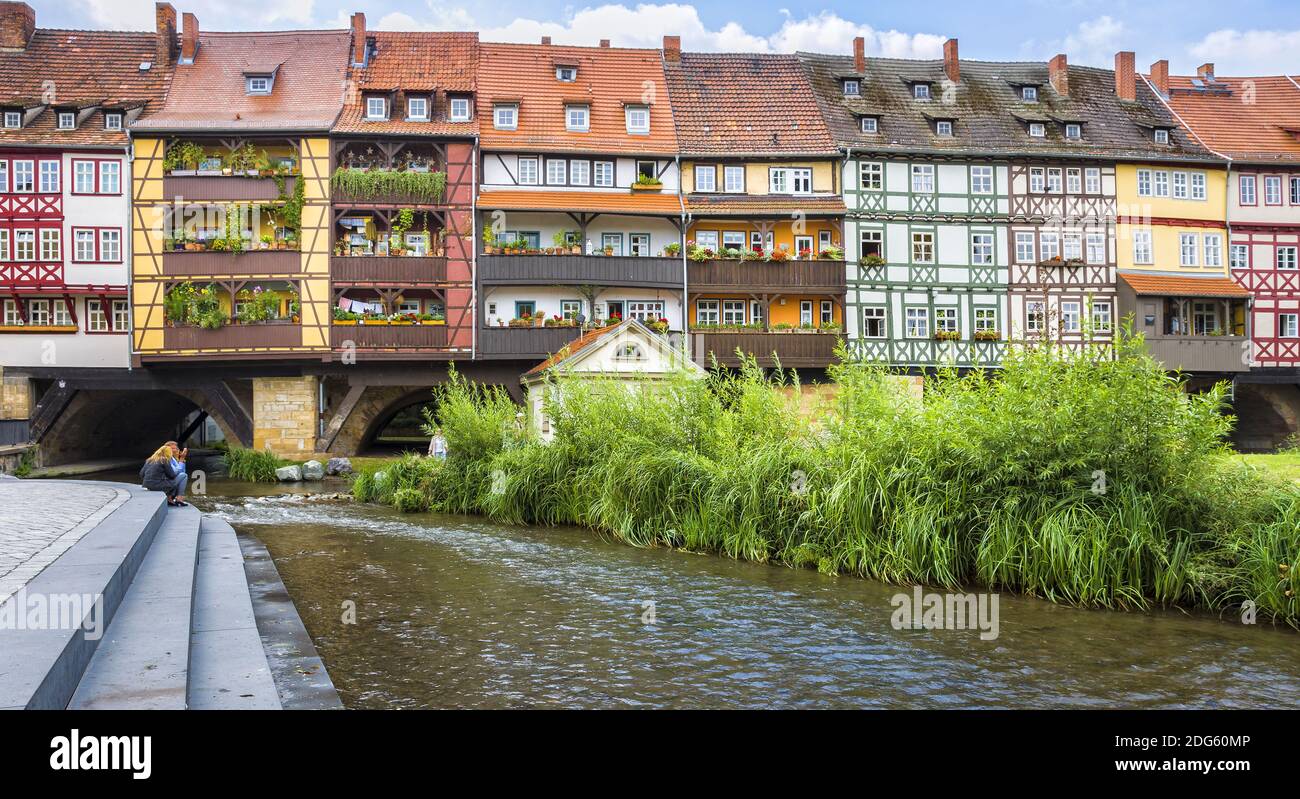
point(16, 397)
point(284, 415)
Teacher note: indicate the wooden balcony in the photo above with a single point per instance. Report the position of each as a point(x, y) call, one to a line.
point(573, 270)
point(803, 277)
point(233, 336)
point(1200, 354)
point(389, 337)
point(197, 188)
point(525, 343)
point(800, 350)
point(181, 263)
point(381, 270)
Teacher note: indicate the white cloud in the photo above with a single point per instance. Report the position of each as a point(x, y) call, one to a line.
point(212, 14)
point(1255, 52)
point(645, 25)
point(1094, 42)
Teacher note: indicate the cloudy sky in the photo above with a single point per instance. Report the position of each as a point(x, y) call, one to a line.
point(1245, 36)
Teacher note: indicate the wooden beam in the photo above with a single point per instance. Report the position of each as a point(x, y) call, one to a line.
point(51, 406)
point(224, 402)
point(194, 425)
point(340, 417)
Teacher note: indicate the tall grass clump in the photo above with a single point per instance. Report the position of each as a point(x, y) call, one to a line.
point(1077, 477)
point(251, 465)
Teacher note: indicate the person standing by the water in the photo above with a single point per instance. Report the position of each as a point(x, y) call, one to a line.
point(438, 445)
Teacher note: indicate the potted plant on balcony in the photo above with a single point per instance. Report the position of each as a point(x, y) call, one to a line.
point(342, 317)
point(805, 253)
point(183, 159)
point(782, 327)
point(490, 242)
point(947, 335)
point(561, 241)
point(830, 327)
point(672, 250)
point(647, 183)
point(831, 253)
point(779, 254)
point(697, 253)
point(659, 325)
point(873, 260)
point(987, 335)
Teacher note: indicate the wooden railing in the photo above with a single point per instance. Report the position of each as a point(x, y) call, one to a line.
point(234, 336)
point(182, 263)
point(1200, 353)
point(523, 342)
point(388, 336)
point(224, 187)
point(790, 349)
point(597, 270)
point(398, 269)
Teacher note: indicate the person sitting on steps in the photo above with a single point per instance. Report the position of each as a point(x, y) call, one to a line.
point(178, 465)
point(157, 474)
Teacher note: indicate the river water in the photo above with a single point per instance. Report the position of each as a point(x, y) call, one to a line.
point(458, 612)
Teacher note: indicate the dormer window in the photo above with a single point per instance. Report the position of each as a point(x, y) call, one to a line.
point(1073, 130)
point(505, 116)
point(577, 117)
point(1161, 135)
point(257, 84)
point(638, 118)
point(458, 109)
point(67, 120)
point(1029, 94)
point(943, 127)
point(1037, 129)
point(921, 91)
point(112, 121)
point(13, 119)
point(869, 124)
point(566, 74)
point(417, 109)
point(852, 88)
point(376, 108)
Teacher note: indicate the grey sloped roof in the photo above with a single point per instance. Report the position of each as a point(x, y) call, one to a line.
point(989, 116)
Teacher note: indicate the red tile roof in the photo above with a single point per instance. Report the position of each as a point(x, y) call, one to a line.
point(1183, 285)
point(209, 95)
point(745, 104)
point(639, 203)
point(79, 68)
point(424, 62)
point(609, 78)
point(1247, 119)
point(571, 349)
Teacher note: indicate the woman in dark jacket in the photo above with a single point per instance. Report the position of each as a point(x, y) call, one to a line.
point(157, 474)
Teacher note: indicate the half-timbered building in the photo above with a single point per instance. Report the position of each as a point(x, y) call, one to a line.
point(580, 221)
point(765, 214)
point(66, 99)
point(926, 207)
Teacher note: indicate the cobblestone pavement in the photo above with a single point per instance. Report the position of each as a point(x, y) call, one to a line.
point(40, 520)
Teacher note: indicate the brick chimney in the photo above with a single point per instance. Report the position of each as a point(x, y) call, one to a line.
point(1160, 76)
point(358, 39)
point(164, 43)
point(951, 66)
point(1205, 71)
point(604, 42)
point(546, 40)
point(1058, 72)
point(1125, 77)
point(672, 48)
point(859, 55)
point(17, 24)
point(189, 37)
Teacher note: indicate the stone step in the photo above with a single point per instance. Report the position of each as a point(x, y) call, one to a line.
point(40, 669)
point(143, 662)
point(228, 666)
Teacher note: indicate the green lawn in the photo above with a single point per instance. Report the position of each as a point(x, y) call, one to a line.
point(1283, 464)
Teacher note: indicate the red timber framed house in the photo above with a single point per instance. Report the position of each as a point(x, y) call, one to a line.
point(66, 99)
point(1074, 132)
point(1254, 123)
point(402, 159)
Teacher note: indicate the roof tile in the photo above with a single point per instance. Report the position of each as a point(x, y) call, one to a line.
point(424, 62)
point(1183, 285)
point(1247, 119)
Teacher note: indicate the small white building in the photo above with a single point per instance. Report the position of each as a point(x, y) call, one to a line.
point(629, 353)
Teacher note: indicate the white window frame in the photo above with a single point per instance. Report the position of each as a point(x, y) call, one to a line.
point(422, 103)
point(1037, 130)
point(922, 180)
point(921, 91)
point(943, 127)
point(1288, 257)
point(1095, 248)
point(1071, 316)
point(13, 119)
point(50, 179)
point(553, 178)
point(530, 171)
point(112, 121)
point(945, 319)
point(1092, 180)
point(602, 174)
point(1025, 247)
point(1103, 316)
point(637, 118)
point(1144, 182)
point(1288, 325)
point(577, 118)
point(1142, 251)
point(67, 120)
point(110, 177)
point(729, 185)
point(706, 185)
point(707, 312)
point(579, 172)
point(871, 176)
point(1246, 189)
point(1037, 179)
point(96, 319)
point(923, 245)
point(1198, 185)
point(916, 322)
point(852, 87)
point(1272, 190)
point(1029, 94)
point(1073, 130)
point(1212, 245)
point(505, 116)
point(376, 108)
point(1035, 316)
point(257, 84)
point(981, 179)
point(459, 109)
point(1187, 249)
point(875, 313)
point(1239, 256)
point(982, 250)
point(51, 244)
point(869, 125)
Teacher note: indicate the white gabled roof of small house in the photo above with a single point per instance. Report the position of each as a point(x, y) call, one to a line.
point(594, 353)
